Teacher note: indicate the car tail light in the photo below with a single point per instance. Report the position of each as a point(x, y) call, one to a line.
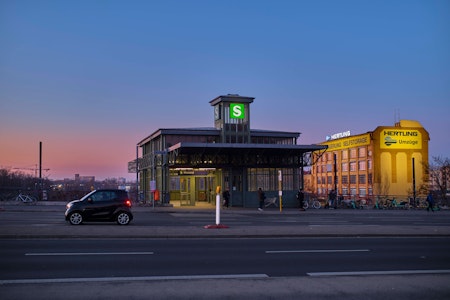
point(128, 202)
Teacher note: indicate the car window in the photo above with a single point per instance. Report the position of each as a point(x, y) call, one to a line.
point(103, 196)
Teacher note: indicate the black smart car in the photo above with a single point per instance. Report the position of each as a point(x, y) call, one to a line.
point(100, 205)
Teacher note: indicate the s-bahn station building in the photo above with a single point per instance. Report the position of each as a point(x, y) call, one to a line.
point(185, 166)
point(388, 162)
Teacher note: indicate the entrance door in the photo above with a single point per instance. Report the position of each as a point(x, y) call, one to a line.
point(185, 191)
point(233, 180)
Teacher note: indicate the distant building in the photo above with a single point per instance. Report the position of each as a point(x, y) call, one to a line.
point(186, 165)
point(376, 163)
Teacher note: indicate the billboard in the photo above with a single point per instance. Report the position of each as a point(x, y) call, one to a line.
point(400, 139)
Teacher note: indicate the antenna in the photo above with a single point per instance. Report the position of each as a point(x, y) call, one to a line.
point(396, 115)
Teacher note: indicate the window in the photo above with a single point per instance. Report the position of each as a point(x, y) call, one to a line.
point(345, 167)
point(330, 180)
point(362, 165)
point(329, 168)
point(362, 152)
point(352, 179)
point(353, 153)
point(344, 191)
point(267, 179)
point(362, 179)
point(345, 179)
point(362, 192)
point(369, 178)
point(369, 164)
point(344, 154)
point(352, 166)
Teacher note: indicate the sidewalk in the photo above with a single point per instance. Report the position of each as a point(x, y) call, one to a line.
point(249, 231)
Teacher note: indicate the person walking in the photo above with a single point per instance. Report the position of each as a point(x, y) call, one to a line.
point(301, 199)
point(226, 198)
point(261, 198)
point(331, 199)
point(430, 202)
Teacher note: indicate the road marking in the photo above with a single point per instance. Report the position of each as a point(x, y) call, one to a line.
point(87, 253)
point(397, 272)
point(317, 251)
point(142, 278)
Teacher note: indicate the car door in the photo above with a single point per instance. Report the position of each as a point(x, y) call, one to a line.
point(99, 205)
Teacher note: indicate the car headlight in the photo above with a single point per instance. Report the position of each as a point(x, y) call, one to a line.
point(68, 205)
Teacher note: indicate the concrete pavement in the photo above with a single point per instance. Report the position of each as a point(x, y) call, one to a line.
point(292, 230)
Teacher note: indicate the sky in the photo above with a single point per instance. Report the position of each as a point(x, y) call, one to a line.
point(90, 79)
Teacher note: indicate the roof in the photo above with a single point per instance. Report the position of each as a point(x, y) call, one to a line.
point(213, 131)
point(213, 148)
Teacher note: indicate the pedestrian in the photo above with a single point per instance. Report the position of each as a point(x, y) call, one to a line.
point(430, 202)
point(261, 198)
point(331, 198)
point(226, 198)
point(301, 199)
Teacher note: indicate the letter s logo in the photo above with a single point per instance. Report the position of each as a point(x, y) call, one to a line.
point(237, 111)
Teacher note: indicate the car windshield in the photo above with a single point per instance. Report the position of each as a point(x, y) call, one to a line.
point(87, 195)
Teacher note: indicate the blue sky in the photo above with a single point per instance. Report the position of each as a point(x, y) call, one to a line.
point(92, 78)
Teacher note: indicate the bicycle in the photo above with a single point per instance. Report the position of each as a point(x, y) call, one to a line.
point(313, 202)
point(27, 199)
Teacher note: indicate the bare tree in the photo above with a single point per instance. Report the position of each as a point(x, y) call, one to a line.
point(439, 170)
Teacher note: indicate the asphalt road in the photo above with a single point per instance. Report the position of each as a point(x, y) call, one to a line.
point(49, 259)
point(316, 268)
point(408, 260)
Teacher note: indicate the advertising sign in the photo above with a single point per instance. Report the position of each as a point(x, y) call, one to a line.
point(400, 139)
point(355, 141)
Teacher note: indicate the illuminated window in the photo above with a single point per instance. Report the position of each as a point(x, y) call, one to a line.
point(353, 153)
point(344, 154)
point(352, 166)
point(369, 164)
point(344, 167)
point(362, 152)
point(362, 165)
point(362, 192)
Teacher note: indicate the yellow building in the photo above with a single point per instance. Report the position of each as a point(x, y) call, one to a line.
point(376, 163)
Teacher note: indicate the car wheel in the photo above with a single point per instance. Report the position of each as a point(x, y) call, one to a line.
point(123, 218)
point(75, 218)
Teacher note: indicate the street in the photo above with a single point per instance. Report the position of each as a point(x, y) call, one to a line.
point(36, 260)
point(164, 255)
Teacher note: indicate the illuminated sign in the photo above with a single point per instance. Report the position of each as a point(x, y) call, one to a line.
point(356, 141)
point(237, 111)
point(338, 135)
point(400, 139)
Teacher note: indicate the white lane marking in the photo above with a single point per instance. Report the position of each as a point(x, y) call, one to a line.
point(395, 272)
point(87, 253)
point(318, 251)
point(142, 278)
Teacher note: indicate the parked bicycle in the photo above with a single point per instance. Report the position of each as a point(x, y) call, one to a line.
point(313, 202)
point(27, 199)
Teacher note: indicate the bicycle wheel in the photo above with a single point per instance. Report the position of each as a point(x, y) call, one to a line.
point(316, 204)
point(305, 205)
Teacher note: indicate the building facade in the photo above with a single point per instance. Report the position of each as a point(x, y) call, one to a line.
point(390, 161)
point(185, 166)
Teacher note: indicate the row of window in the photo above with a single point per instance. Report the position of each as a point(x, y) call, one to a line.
point(346, 153)
point(346, 179)
point(352, 166)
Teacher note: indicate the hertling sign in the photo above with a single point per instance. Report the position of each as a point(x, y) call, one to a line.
point(400, 139)
point(355, 141)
